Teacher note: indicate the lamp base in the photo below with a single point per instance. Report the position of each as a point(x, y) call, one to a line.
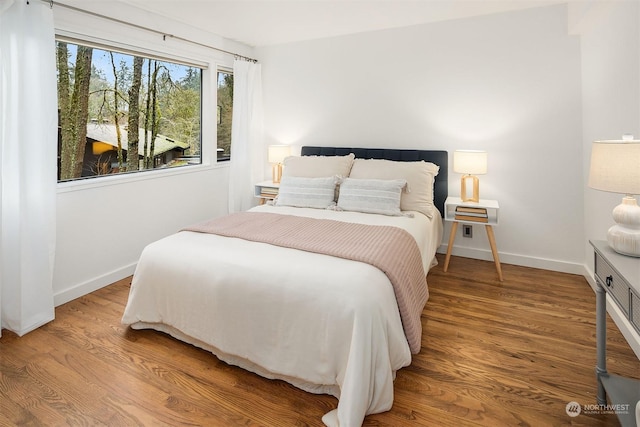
point(475, 182)
point(276, 173)
point(624, 237)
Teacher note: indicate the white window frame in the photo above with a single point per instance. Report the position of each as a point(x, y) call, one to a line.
point(228, 70)
point(78, 28)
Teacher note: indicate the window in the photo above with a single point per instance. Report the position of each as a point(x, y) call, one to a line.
point(225, 114)
point(124, 113)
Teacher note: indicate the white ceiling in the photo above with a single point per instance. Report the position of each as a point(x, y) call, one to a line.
point(268, 22)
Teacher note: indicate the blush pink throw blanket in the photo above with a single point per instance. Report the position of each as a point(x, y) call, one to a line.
point(390, 249)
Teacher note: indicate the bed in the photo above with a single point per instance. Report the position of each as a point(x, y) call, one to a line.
point(277, 299)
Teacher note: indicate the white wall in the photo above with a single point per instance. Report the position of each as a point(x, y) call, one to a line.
point(508, 83)
point(103, 224)
point(610, 44)
point(102, 229)
point(610, 50)
point(515, 84)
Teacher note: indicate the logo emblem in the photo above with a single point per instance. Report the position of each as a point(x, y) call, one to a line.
point(573, 409)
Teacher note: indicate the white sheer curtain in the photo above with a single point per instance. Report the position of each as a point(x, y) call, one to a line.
point(28, 149)
point(247, 149)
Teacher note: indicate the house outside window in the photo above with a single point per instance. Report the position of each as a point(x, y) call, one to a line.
point(125, 112)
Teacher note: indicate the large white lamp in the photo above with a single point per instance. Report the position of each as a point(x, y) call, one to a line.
point(276, 155)
point(470, 163)
point(615, 167)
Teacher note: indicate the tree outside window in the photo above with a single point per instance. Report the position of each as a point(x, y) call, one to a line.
point(124, 113)
point(225, 114)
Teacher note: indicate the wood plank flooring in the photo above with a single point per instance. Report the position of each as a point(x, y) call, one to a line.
point(493, 354)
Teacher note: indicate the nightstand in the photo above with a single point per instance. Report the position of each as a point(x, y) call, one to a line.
point(266, 190)
point(485, 212)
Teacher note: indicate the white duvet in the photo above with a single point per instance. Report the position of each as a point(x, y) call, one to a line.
point(323, 324)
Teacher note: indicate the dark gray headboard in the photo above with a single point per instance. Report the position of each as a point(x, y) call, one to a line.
point(440, 158)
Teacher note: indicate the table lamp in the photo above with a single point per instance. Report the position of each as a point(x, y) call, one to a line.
point(470, 163)
point(615, 167)
point(276, 154)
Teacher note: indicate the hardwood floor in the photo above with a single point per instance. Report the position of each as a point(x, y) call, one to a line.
point(494, 354)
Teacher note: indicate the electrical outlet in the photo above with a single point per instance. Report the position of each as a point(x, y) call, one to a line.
point(467, 230)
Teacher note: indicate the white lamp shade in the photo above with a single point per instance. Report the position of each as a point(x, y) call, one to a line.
point(615, 166)
point(471, 162)
point(277, 153)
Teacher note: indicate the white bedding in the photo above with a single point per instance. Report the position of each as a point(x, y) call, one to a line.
point(324, 324)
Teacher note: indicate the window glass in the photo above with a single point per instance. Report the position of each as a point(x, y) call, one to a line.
point(123, 113)
point(225, 114)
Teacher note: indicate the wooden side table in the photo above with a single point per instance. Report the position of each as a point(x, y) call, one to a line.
point(485, 212)
point(266, 190)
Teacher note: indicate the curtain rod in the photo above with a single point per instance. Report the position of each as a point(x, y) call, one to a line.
point(163, 34)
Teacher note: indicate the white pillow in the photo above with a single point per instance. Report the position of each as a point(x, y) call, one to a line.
point(317, 166)
point(376, 196)
point(306, 192)
point(420, 177)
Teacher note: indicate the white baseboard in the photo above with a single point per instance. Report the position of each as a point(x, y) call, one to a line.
point(522, 260)
point(89, 286)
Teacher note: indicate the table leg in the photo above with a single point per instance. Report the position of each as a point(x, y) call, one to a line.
point(452, 237)
point(494, 251)
point(601, 341)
